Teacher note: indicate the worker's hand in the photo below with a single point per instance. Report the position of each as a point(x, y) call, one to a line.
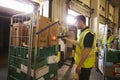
point(78, 69)
point(63, 39)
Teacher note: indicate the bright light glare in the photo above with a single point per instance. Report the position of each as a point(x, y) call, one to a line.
point(73, 13)
point(16, 5)
point(70, 20)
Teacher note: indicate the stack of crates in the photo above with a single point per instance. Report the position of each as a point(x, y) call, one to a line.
point(24, 56)
point(113, 56)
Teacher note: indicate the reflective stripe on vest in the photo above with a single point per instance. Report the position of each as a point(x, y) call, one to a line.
point(89, 62)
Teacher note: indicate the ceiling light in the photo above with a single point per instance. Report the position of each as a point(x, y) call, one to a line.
point(19, 6)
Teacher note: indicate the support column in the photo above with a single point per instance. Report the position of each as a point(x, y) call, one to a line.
point(94, 22)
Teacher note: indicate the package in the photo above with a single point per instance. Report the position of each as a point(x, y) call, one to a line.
point(43, 37)
point(19, 34)
point(14, 35)
point(53, 32)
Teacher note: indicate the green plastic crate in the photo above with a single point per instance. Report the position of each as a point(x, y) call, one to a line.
point(13, 73)
point(13, 51)
point(53, 68)
point(40, 64)
point(112, 56)
point(47, 76)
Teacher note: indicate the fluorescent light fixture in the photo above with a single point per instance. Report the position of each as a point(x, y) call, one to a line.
point(19, 6)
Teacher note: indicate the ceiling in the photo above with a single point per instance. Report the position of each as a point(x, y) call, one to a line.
point(10, 12)
point(7, 11)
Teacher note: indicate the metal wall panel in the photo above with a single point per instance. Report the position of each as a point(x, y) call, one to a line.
point(111, 12)
point(78, 7)
point(87, 2)
point(102, 7)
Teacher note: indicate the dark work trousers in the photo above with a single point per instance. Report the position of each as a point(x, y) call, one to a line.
point(85, 74)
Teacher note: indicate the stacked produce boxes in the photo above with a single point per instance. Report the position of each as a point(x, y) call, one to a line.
point(31, 56)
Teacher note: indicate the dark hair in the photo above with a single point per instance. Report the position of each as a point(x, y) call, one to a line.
point(81, 17)
point(109, 31)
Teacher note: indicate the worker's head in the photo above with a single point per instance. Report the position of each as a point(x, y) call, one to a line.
point(109, 32)
point(81, 21)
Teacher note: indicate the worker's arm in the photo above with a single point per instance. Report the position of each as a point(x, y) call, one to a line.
point(84, 56)
point(71, 41)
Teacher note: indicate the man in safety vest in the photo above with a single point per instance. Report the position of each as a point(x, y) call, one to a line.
point(85, 49)
point(110, 39)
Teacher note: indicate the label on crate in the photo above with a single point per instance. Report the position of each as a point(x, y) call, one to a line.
point(26, 55)
point(117, 69)
point(52, 75)
point(23, 68)
point(41, 78)
point(39, 72)
point(42, 71)
point(52, 59)
point(18, 70)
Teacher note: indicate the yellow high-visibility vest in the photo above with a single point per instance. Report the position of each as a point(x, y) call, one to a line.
point(109, 40)
point(90, 61)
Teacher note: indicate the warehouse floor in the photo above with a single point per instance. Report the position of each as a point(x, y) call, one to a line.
point(66, 72)
point(3, 67)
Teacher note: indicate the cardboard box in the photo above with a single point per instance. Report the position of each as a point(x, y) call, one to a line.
point(112, 71)
point(14, 35)
point(109, 71)
point(23, 34)
point(53, 32)
point(43, 37)
point(19, 34)
point(34, 37)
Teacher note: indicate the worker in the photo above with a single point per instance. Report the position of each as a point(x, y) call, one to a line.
point(110, 39)
point(85, 45)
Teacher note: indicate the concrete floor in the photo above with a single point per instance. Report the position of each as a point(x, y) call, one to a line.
point(67, 73)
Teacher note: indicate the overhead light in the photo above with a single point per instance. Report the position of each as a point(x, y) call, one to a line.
point(70, 20)
point(19, 6)
point(73, 13)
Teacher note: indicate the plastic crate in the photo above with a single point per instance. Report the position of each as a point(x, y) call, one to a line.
point(112, 56)
point(13, 73)
point(13, 51)
point(47, 76)
point(41, 63)
point(53, 68)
